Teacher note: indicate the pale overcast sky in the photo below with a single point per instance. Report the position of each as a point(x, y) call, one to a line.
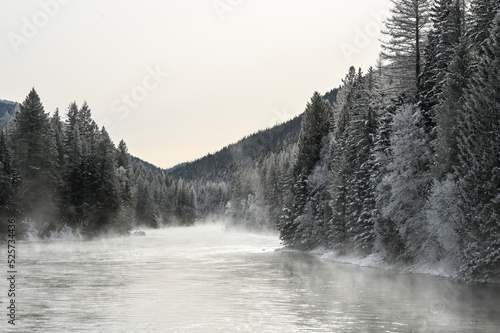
point(179, 79)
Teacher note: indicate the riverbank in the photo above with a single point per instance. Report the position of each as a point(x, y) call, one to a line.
point(443, 269)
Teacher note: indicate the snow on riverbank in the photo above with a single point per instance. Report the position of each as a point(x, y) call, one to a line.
point(441, 269)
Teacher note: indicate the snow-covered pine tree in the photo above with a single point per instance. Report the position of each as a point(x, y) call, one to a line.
point(144, 202)
point(450, 110)
point(72, 172)
point(384, 103)
point(87, 128)
point(405, 47)
point(408, 179)
point(105, 197)
point(124, 172)
point(72, 140)
point(337, 234)
point(125, 182)
point(479, 172)
point(482, 13)
point(315, 126)
point(35, 157)
point(359, 151)
point(447, 30)
point(9, 185)
point(287, 160)
point(57, 127)
point(186, 203)
point(443, 208)
point(312, 225)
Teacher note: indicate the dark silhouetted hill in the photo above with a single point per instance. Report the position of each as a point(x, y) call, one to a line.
point(221, 165)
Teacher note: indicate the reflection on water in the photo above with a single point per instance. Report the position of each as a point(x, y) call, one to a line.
point(204, 279)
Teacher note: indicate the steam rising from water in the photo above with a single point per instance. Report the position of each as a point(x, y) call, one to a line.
point(206, 279)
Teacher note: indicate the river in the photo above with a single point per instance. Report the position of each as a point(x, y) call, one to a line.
point(206, 279)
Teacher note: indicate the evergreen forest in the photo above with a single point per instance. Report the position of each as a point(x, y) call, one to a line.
point(402, 160)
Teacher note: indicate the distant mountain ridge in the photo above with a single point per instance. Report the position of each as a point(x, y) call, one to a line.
point(221, 165)
point(175, 167)
point(7, 111)
point(152, 167)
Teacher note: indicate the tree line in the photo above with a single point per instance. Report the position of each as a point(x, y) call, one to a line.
point(405, 161)
point(58, 174)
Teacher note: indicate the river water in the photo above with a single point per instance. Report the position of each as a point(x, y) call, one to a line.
point(206, 279)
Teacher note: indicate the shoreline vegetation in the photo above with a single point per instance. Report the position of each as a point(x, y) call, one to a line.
point(377, 261)
point(402, 162)
point(57, 174)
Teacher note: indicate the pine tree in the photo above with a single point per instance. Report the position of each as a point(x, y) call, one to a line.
point(105, 199)
point(186, 203)
point(9, 185)
point(478, 173)
point(404, 49)
point(312, 224)
point(57, 127)
point(73, 172)
point(450, 111)
point(482, 13)
point(124, 172)
point(143, 208)
point(315, 126)
point(359, 150)
point(447, 30)
point(409, 181)
point(35, 158)
point(125, 184)
point(72, 140)
point(340, 168)
point(88, 129)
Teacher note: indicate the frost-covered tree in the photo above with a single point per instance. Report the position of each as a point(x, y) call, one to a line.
point(404, 49)
point(104, 202)
point(359, 149)
point(186, 203)
point(337, 235)
point(409, 181)
point(450, 111)
point(9, 185)
point(34, 155)
point(482, 13)
point(351, 226)
point(72, 139)
point(478, 172)
point(57, 127)
point(312, 224)
point(387, 239)
point(448, 27)
point(124, 172)
point(144, 202)
point(88, 129)
point(443, 214)
point(125, 185)
point(315, 126)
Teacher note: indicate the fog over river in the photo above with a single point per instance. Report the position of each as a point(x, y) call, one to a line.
point(207, 279)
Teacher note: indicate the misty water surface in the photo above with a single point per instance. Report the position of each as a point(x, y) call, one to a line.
point(205, 279)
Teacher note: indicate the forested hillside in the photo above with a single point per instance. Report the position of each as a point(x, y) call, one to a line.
point(57, 175)
point(402, 160)
point(222, 165)
point(215, 177)
point(406, 162)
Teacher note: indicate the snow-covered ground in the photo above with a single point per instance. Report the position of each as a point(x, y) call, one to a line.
point(440, 269)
